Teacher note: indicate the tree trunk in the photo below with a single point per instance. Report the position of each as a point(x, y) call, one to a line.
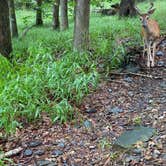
point(56, 23)
point(39, 19)
point(5, 35)
point(13, 21)
point(127, 8)
point(64, 14)
point(81, 26)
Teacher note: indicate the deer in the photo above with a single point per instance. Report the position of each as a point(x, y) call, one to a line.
point(150, 33)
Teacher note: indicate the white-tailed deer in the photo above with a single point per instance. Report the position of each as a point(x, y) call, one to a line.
point(150, 33)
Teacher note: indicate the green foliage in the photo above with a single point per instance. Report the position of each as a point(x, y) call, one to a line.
point(137, 121)
point(105, 143)
point(44, 82)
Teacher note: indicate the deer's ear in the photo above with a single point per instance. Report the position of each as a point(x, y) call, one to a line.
point(151, 11)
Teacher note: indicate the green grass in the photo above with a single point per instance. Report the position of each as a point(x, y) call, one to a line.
point(46, 75)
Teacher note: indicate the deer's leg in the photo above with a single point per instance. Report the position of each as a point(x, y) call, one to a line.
point(145, 48)
point(154, 51)
point(148, 54)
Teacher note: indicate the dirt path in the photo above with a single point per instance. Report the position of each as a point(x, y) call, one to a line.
point(119, 103)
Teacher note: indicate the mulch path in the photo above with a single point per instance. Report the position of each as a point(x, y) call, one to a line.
point(89, 140)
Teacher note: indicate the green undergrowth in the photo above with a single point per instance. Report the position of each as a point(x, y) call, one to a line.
point(43, 83)
point(44, 73)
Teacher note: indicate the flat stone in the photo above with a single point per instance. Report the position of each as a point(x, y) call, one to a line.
point(163, 156)
point(156, 153)
point(131, 94)
point(163, 85)
point(132, 68)
point(132, 158)
point(91, 110)
point(35, 144)
point(39, 152)
point(57, 153)
point(128, 79)
point(28, 152)
point(137, 151)
point(114, 110)
point(61, 144)
point(46, 163)
point(159, 53)
point(87, 124)
point(131, 137)
point(110, 90)
point(161, 64)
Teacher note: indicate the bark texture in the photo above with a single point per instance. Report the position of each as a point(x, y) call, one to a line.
point(127, 8)
point(64, 14)
point(81, 26)
point(56, 23)
point(39, 19)
point(5, 35)
point(13, 21)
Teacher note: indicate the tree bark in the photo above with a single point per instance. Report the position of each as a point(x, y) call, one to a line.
point(39, 19)
point(13, 21)
point(64, 14)
point(5, 34)
point(56, 23)
point(127, 8)
point(81, 26)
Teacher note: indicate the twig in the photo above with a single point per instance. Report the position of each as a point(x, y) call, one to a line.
point(107, 160)
point(116, 81)
point(11, 152)
point(138, 74)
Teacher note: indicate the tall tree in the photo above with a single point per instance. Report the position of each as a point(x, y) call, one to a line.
point(5, 34)
point(64, 14)
point(39, 19)
point(81, 26)
point(13, 21)
point(127, 8)
point(56, 23)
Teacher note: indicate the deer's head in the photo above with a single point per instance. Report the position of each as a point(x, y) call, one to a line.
point(144, 17)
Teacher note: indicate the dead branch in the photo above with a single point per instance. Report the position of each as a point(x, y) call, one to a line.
point(107, 162)
point(26, 31)
point(138, 74)
point(11, 152)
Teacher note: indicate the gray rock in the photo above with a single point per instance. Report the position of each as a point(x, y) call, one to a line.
point(159, 53)
point(57, 153)
point(163, 156)
point(131, 137)
point(161, 63)
point(39, 152)
point(137, 151)
point(110, 90)
point(46, 163)
point(114, 110)
point(91, 110)
point(156, 153)
point(132, 158)
point(128, 79)
point(28, 152)
point(61, 144)
point(132, 68)
point(163, 85)
point(87, 124)
point(131, 94)
point(35, 143)
point(52, 164)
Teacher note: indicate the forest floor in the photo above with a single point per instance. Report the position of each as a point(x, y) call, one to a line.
point(121, 102)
